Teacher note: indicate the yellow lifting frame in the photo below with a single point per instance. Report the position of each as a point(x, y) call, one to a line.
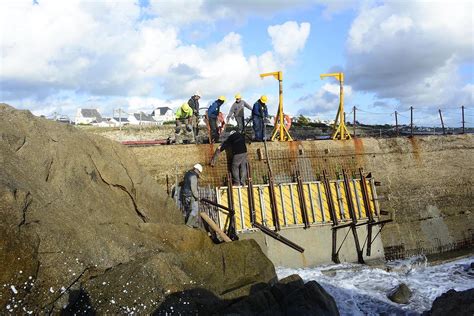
point(340, 129)
point(279, 124)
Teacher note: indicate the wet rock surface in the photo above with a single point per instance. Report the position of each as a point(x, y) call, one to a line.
point(401, 294)
point(453, 303)
point(85, 230)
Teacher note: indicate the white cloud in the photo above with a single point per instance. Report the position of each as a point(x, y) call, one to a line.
point(288, 39)
point(325, 101)
point(412, 51)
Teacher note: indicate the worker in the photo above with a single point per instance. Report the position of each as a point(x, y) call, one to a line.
point(184, 116)
point(194, 104)
point(212, 114)
point(236, 144)
point(189, 196)
point(237, 111)
point(259, 116)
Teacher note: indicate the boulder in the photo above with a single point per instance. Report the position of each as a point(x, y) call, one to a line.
point(453, 303)
point(86, 230)
point(401, 294)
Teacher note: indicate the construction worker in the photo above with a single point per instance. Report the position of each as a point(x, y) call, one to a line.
point(212, 114)
point(194, 104)
point(237, 111)
point(189, 196)
point(184, 116)
point(236, 144)
point(259, 116)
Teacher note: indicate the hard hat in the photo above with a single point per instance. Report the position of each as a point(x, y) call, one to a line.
point(222, 98)
point(185, 106)
point(238, 96)
point(263, 98)
point(198, 167)
point(232, 132)
point(197, 93)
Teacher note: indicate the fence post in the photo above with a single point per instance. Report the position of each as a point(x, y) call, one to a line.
point(354, 123)
point(411, 121)
point(442, 123)
point(396, 123)
point(462, 108)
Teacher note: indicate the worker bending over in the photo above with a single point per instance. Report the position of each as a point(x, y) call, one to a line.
point(259, 115)
point(237, 111)
point(194, 104)
point(236, 144)
point(184, 117)
point(212, 114)
point(189, 196)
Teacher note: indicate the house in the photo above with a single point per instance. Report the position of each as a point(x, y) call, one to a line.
point(163, 114)
point(120, 121)
point(87, 116)
point(141, 118)
point(103, 122)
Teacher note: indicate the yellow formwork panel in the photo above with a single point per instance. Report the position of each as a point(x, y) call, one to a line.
point(289, 209)
point(307, 200)
point(371, 197)
point(345, 206)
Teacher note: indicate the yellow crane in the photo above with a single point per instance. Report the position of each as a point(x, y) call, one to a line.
point(279, 128)
point(340, 129)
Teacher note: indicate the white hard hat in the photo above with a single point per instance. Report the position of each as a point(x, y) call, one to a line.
point(197, 93)
point(198, 167)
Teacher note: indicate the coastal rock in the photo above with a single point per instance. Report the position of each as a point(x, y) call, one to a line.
point(86, 230)
point(453, 303)
point(401, 294)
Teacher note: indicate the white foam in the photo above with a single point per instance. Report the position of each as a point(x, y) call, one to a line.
point(361, 289)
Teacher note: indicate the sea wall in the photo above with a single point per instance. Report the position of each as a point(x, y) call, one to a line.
point(426, 182)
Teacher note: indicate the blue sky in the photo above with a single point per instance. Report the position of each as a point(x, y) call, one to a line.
point(57, 56)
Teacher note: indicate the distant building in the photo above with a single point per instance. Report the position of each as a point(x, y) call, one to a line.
point(141, 118)
point(163, 114)
point(120, 121)
point(87, 116)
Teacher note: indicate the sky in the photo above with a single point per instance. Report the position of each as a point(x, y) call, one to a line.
point(57, 56)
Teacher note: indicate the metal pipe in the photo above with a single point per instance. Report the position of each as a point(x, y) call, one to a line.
point(278, 237)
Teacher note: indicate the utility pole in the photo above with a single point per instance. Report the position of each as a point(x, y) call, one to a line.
point(396, 123)
point(140, 124)
point(442, 123)
point(340, 129)
point(120, 118)
point(354, 123)
point(462, 109)
point(280, 127)
point(411, 120)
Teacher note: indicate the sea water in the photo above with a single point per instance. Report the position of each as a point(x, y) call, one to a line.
point(362, 289)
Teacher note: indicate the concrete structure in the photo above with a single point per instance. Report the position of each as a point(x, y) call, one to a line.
point(163, 114)
point(427, 182)
point(317, 243)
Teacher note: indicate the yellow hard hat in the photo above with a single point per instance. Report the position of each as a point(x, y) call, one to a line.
point(238, 96)
point(185, 106)
point(222, 98)
point(263, 98)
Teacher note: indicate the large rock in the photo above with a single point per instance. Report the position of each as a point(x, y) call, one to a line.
point(85, 229)
point(401, 294)
point(453, 303)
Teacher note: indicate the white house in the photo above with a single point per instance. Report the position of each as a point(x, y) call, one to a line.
point(87, 116)
point(163, 114)
point(141, 118)
point(120, 121)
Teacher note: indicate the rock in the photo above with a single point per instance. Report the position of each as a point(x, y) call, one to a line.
point(453, 303)
point(85, 230)
point(401, 294)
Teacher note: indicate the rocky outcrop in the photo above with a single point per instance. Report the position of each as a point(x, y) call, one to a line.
point(84, 228)
point(453, 303)
point(401, 294)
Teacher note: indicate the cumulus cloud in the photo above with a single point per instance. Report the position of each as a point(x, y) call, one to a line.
point(324, 102)
point(119, 49)
point(412, 51)
point(288, 39)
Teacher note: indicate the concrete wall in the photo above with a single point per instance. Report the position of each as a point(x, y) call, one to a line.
point(427, 182)
point(317, 242)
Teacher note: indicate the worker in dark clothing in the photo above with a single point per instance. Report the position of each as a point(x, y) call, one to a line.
point(237, 111)
point(236, 144)
point(194, 104)
point(259, 115)
point(189, 196)
point(212, 114)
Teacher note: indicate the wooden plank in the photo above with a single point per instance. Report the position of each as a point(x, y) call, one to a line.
point(214, 226)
